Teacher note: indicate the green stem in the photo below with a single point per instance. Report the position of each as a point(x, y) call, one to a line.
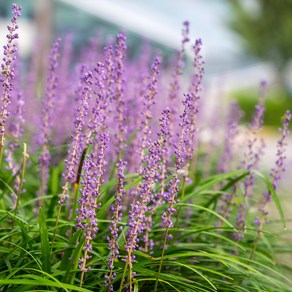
point(56, 225)
point(1, 153)
point(255, 245)
point(161, 260)
point(182, 197)
point(75, 266)
point(25, 156)
point(123, 277)
point(75, 192)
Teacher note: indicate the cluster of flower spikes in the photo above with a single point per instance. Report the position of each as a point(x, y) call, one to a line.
point(93, 168)
point(184, 148)
point(149, 172)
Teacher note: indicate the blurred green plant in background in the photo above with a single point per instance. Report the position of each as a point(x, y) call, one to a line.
point(265, 27)
point(277, 101)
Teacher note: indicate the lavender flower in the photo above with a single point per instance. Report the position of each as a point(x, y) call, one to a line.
point(16, 130)
point(120, 54)
point(227, 156)
point(94, 166)
point(254, 152)
point(276, 171)
point(185, 148)
point(47, 116)
point(93, 171)
point(252, 157)
point(114, 229)
point(78, 143)
point(65, 86)
point(8, 72)
point(149, 171)
point(146, 114)
point(16, 122)
point(174, 93)
point(164, 141)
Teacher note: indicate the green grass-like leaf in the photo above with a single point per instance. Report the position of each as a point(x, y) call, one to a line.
point(45, 247)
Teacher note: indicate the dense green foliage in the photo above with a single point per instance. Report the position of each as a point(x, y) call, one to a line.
point(197, 259)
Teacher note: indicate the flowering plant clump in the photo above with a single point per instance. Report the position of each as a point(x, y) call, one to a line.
point(121, 191)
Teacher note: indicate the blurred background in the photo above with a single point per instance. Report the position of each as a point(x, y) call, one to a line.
point(244, 41)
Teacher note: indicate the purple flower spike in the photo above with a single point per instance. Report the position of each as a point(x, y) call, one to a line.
point(276, 172)
point(232, 129)
point(145, 193)
point(184, 149)
point(93, 171)
point(174, 92)
point(46, 124)
point(120, 54)
point(162, 149)
point(279, 168)
point(252, 157)
point(149, 101)
point(116, 218)
point(7, 68)
point(78, 136)
point(81, 112)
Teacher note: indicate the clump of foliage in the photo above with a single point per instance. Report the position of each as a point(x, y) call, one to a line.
point(136, 199)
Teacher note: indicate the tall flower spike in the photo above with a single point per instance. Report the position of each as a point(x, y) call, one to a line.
point(279, 168)
point(16, 131)
point(120, 54)
point(159, 198)
point(185, 148)
point(86, 220)
point(48, 104)
point(64, 108)
point(174, 93)
point(114, 229)
point(150, 173)
point(94, 168)
point(227, 157)
point(276, 173)
point(8, 73)
point(252, 156)
point(232, 129)
point(150, 93)
point(78, 143)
